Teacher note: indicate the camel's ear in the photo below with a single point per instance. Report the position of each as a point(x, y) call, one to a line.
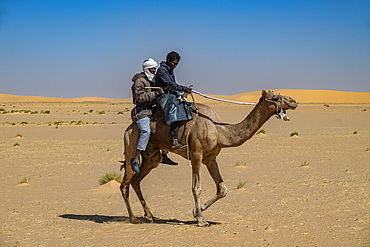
point(264, 93)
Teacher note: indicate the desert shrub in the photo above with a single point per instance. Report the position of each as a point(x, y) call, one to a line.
point(23, 123)
point(294, 134)
point(24, 180)
point(91, 111)
point(240, 163)
point(126, 109)
point(109, 176)
point(102, 112)
point(355, 132)
point(19, 135)
point(304, 163)
point(263, 131)
point(80, 122)
point(16, 144)
point(120, 113)
point(2, 109)
point(241, 184)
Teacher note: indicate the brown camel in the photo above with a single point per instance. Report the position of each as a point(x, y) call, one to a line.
point(205, 136)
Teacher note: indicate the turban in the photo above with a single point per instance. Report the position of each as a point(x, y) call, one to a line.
point(148, 64)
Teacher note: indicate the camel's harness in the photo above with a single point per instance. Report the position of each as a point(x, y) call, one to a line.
point(279, 115)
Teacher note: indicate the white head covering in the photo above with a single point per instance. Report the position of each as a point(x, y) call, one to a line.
point(148, 64)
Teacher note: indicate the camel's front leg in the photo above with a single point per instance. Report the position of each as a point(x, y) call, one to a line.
point(212, 167)
point(197, 213)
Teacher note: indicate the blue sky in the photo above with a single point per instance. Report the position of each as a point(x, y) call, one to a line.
point(93, 48)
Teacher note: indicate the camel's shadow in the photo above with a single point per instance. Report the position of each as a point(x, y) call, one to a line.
point(103, 219)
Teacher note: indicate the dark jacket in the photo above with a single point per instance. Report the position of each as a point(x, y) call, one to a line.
point(165, 77)
point(143, 98)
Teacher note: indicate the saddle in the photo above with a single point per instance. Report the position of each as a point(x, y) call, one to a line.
point(176, 108)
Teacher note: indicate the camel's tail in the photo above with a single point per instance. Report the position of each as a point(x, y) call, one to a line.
point(123, 165)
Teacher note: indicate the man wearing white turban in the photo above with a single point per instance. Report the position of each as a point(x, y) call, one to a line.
point(144, 100)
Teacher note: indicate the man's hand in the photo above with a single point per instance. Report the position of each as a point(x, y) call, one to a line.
point(160, 92)
point(189, 89)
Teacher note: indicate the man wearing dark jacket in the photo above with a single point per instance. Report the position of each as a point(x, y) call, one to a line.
point(165, 78)
point(144, 99)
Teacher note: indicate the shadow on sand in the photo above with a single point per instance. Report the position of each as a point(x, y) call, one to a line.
point(102, 218)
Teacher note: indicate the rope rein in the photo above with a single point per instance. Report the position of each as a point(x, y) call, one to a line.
point(223, 100)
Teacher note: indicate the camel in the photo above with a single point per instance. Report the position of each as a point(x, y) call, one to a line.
point(205, 136)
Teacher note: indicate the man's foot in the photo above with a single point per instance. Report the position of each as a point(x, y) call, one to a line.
point(180, 148)
point(167, 160)
point(177, 146)
point(134, 165)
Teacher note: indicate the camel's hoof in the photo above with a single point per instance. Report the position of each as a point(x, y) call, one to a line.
point(149, 217)
point(135, 221)
point(203, 224)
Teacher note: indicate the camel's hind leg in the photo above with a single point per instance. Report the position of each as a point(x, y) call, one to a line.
point(148, 163)
point(131, 137)
point(125, 188)
point(212, 167)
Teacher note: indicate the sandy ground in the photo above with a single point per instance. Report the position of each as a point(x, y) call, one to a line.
point(306, 190)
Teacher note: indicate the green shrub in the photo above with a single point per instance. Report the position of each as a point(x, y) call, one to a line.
point(304, 163)
point(294, 134)
point(241, 184)
point(240, 163)
point(24, 180)
point(261, 131)
point(109, 176)
point(16, 144)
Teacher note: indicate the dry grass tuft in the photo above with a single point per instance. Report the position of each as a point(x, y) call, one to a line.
point(241, 184)
point(109, 176)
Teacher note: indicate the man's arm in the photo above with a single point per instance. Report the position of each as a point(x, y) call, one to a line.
point(142, 94)
point(165, 77)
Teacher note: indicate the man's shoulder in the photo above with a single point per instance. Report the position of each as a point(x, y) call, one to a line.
point(141, 82)
point(138, 76)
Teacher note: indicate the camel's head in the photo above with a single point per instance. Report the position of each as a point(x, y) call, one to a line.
point(278, 103)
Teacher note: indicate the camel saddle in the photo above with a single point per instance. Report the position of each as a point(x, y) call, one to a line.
point(175, 108)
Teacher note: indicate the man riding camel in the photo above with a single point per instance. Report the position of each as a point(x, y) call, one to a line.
point(144, 100)
point(165, 78)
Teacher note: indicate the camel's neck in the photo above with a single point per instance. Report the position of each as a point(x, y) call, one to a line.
point(232, 135)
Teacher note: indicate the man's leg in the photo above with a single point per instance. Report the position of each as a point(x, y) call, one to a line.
point(144, 126)
point(174, 133)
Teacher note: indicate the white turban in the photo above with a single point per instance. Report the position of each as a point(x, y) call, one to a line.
point(148, 64)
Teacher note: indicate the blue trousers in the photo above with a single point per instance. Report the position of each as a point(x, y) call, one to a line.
point(144, 126)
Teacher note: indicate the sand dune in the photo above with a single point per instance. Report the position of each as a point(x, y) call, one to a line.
point(19, 98)
point(302, 96)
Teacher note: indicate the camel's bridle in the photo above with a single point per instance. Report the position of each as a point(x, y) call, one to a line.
point(281, 114)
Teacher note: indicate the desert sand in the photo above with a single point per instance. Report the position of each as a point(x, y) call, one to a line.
point(305, 190)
